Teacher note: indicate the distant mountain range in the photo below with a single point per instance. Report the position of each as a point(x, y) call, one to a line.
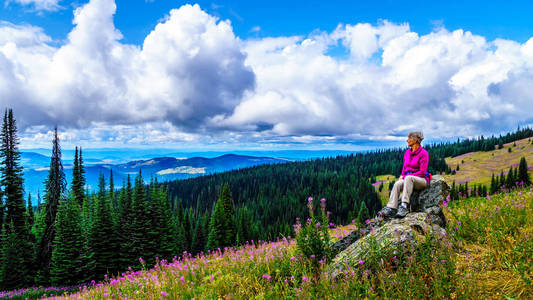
point(163, 168)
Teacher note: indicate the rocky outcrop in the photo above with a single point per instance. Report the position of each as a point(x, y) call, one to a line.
point(426, 217)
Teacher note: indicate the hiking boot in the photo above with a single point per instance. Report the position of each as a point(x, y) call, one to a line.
point(402, 212)
point(387, 212)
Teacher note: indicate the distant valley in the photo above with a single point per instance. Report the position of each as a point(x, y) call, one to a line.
point(163, 168)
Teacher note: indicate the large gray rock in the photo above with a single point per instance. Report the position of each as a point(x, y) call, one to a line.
point(396, 234)
point(431, 196)
point(425, 217)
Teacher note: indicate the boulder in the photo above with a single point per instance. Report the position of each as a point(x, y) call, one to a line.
point(426, 217)
point(394, 234)
point(431, 196)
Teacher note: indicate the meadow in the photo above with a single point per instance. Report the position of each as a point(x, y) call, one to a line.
point(486, 254)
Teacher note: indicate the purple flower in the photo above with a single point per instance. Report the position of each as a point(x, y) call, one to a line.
point(361, 262)
point(310, 200)
point(367, 221)
point(163, 293)
point(317, 224)
point(305, 279)
point(267, 277)
point(313, 256)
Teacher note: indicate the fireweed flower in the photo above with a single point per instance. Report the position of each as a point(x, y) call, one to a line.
point(267, 277)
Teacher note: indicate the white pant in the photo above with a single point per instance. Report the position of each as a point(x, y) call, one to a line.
point(406, 185)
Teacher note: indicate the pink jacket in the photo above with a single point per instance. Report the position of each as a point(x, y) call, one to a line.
point(416, 163)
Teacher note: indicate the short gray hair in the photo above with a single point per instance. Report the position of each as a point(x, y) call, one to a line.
point(416, 135)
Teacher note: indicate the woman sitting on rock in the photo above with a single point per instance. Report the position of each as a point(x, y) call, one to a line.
point(414, 175)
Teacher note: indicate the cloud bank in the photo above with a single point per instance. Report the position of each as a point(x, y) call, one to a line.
point(193, 80)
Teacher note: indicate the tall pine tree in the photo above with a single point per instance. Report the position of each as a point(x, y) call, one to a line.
point(55, 188)
point(16, 261)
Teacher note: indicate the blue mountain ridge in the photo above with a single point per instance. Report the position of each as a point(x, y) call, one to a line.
point(163, 168)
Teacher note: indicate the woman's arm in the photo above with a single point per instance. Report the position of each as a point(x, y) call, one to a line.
point(404, 163)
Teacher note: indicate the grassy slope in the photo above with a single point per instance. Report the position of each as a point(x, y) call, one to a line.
point(479, 166)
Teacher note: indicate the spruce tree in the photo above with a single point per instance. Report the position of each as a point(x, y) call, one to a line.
point(229, 210)
point(125, 229)
point(217, 227)
point(523, 175)
point(68, 244)
point(87, 271)
point(163, 224)
point(17, 246)
point(141, 220)
point(363, 213)
point(103, 239)
point(55, 188)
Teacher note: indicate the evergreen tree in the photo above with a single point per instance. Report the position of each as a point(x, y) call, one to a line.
point(76, 187)
point(217, 227)
point(103, 239)
point(363, 213)
point(87, 269)
point(68, 244)
point(523, 175)
point(509, 183)
point(31, 215)
point(502, 180)
point(200, 235)
point(163, 224)
point(229, 210)
point(15, 230)
point(125, 230)
point(141, 221)
point(55, 189)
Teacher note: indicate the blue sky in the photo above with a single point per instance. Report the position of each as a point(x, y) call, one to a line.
point(264, 74)
point(136, 18)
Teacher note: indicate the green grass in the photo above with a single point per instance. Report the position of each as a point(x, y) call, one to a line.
point(477, 167)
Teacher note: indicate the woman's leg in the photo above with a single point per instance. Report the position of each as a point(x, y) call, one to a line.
point(410, 183)
point(395, 194)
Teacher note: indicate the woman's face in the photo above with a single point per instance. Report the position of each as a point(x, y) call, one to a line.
point(411, 141)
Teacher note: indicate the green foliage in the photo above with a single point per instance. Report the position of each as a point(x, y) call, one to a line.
point(54, 190)
point(313, 237)
point(523, 176)
point(217, 227)
point(363, 214)
point(103, 239)
point(16, 242)
point(66, 261)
